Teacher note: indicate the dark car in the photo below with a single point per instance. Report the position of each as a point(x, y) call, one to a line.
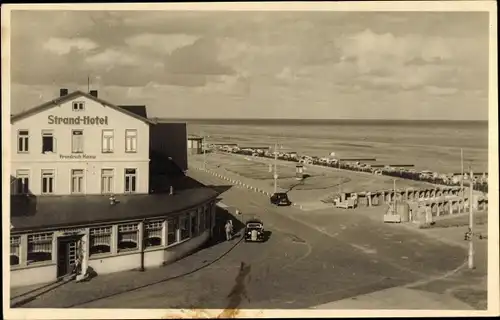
point(254, 231)
point(280, 199)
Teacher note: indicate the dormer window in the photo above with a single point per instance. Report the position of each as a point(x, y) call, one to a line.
point(78, 106)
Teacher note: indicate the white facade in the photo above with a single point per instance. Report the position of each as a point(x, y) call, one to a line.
point(95, 149)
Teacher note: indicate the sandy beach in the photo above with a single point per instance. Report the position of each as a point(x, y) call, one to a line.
point(428, 145)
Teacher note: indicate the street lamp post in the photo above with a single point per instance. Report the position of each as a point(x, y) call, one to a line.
point(394, 200)
point(462, 191)
point(340, 179)
point(143, 245)
point(204, 147)
point(471, 222)
point(204, 144)
point(275, 176)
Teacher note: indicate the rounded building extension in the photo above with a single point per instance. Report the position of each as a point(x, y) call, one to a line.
point(50, 234)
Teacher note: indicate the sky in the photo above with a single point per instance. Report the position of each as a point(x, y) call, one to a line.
point(316, 65)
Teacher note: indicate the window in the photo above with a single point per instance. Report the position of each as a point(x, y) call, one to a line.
point(184, 226)
point(47, 141)
point(130, 140)
point(194, 223)
point(15, 256)
point(39, 247)
point(152, 233)
point(78, 106)
point(208, 216)
point(100, 240)
point(47, 181)
point(130, 180)
point(22, 182)
point(23, 141)
point(77, 141)
point(107, 140)
point(77, 180)
point(107, 184)
point(128, 235)
point(201, 218)
point(173, 227)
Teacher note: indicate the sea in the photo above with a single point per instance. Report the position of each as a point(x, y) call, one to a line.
point(434, 145)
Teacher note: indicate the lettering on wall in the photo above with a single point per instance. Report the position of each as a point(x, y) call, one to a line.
point(76, 156)
point(81, 120)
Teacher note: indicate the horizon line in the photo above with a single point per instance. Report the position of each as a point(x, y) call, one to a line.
point(323, 119)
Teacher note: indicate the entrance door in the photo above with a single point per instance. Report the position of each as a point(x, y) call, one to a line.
point(66, 255)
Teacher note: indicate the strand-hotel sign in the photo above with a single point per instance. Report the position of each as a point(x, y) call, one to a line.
point(80, 120)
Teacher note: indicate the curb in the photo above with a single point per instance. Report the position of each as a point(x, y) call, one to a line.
point(249, 187)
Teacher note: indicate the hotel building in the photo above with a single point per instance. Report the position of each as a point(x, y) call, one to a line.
point(85, 191)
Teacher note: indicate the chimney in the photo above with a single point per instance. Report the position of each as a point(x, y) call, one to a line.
point(93, 93)
point(63, 92)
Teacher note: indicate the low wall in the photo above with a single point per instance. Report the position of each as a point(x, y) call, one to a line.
point(120, 262)
point(152, 257)
point(185, 248)
point(33, 275)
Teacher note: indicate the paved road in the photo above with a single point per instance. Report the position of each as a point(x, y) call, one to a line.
point(310, 259)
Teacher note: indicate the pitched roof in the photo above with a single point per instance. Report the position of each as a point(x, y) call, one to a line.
point(138, 110)
point(70, 96)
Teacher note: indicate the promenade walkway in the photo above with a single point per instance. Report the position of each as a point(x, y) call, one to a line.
point(305, 199)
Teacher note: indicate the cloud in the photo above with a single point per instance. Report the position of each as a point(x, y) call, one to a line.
point(160, 43)
point(113, 57)
point(368, 47)
point(62, 46)
point(406, 62)
point(199, 58)
point(244, 63)
point(287, 74)
point(437, 91)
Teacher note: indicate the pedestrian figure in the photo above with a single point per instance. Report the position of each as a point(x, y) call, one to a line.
point(232, 227)
point(76, 266)
point(228, 227)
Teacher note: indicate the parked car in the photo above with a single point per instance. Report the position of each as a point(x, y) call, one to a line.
point(280, 199)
